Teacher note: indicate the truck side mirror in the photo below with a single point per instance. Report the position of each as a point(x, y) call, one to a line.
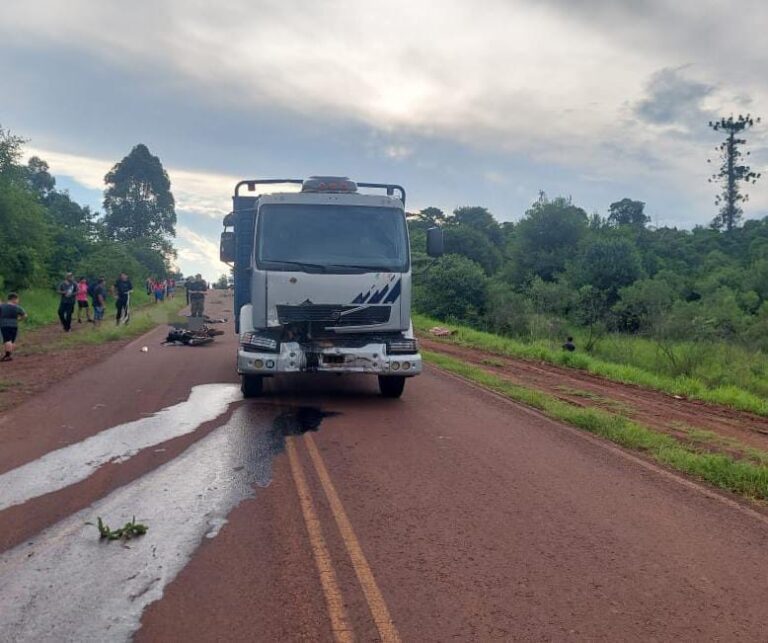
point(227, 247)
point(435, 243)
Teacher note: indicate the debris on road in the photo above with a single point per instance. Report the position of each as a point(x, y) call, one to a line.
point(126, 532)
point(144, 349)
point(440, 331)
point(188, 337)
point(212, 320)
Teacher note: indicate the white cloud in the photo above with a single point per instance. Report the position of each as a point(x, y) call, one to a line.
point(201, 193)
point(198, 253)
point(551, 80)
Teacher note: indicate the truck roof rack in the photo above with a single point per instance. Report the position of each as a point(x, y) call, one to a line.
point(252, 183)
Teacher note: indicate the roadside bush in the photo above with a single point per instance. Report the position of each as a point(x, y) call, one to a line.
point(455, 288)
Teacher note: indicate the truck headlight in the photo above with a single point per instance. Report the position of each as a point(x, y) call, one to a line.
point(402, 346)
point(260, 342)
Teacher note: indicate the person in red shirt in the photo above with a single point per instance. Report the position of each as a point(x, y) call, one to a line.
point(82, 301)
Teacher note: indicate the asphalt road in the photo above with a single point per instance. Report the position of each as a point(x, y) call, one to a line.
point(324, 512)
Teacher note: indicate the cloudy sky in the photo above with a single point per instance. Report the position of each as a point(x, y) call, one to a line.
point(464, 103)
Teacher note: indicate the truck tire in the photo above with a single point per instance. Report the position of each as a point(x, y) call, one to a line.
point(391, 386)
point(251, 385)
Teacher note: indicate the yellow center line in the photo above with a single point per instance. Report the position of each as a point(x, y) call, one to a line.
point(379, 611)
point(342, 632)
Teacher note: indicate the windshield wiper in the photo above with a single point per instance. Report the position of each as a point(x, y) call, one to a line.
point(309, 267)
point(361, 267)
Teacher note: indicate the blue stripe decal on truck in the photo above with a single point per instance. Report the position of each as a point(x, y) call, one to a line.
point(394, 294)
point(378, 296)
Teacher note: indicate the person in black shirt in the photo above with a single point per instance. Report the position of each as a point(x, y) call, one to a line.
point(68, 291)
point(123, 288)
point(569, 345)
point(10, 314)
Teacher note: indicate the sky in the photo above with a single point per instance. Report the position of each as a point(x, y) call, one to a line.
point(464, 103)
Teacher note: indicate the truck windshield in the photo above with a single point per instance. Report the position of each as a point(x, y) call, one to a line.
point(331, 238)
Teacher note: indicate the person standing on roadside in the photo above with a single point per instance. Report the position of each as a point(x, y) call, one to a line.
point(99, 296)
point(68, 291)
point(197, 290)
point(82, 301)
point(159, 291)
point(123, 288)
point(10, 314)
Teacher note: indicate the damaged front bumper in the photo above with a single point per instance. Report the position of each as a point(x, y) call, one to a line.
point(297, 358)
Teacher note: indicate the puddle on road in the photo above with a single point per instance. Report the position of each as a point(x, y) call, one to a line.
point(67, 585)
point(300, 420)
point(73, 463)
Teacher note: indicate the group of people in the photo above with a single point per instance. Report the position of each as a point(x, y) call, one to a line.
point(83, 296)
point(161, 288)
point(77, 293)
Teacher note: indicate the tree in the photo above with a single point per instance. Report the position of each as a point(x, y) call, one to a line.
point(732, 170)
point(546, 238)
point(608, 264)
point(478, 218)
point(39, 177)
point(10, 152)
point(454, 288)
point(430, 217)
point(222, 282)
point(138, 202)
point(628, 213)
point(469, 242)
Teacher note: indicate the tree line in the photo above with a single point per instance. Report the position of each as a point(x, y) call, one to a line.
point(559, 268)
point(45, 233)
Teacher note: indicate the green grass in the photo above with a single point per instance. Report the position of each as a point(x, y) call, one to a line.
point(741, 476)
point(142, 320)
point(6, 385)
point(710, 438)
point(614, 405)
point(42, 304)
point(726, 390)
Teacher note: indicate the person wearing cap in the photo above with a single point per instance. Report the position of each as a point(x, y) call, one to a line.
point(197, 290)
point(68, 291)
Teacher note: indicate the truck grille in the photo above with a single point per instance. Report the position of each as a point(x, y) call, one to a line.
point(332, 315)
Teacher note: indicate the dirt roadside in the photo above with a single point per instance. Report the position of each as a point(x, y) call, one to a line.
point(41, 361)
point(736, 431)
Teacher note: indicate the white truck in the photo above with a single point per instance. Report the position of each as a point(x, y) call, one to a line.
point(322, 280)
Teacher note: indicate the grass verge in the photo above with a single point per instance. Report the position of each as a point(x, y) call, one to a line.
point(142, 320)
point(743, 477)
point(42, 305)
point(727, 395)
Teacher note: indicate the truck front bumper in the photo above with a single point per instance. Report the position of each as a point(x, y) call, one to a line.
point(292, 358)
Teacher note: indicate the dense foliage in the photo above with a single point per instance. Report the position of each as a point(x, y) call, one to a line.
point(44, 233)
point(560, 270)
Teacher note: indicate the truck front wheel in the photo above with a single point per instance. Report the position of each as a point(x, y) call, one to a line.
point(391, 386)
point(251, 385)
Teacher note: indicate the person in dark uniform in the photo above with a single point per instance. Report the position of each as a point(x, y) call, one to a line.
point(569, 345)
point(197, 290)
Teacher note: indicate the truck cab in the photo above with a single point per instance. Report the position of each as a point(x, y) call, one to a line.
point(322, 281)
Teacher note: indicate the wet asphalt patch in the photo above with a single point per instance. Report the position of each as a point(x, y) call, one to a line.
point(297, 421)
point(183, 502)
